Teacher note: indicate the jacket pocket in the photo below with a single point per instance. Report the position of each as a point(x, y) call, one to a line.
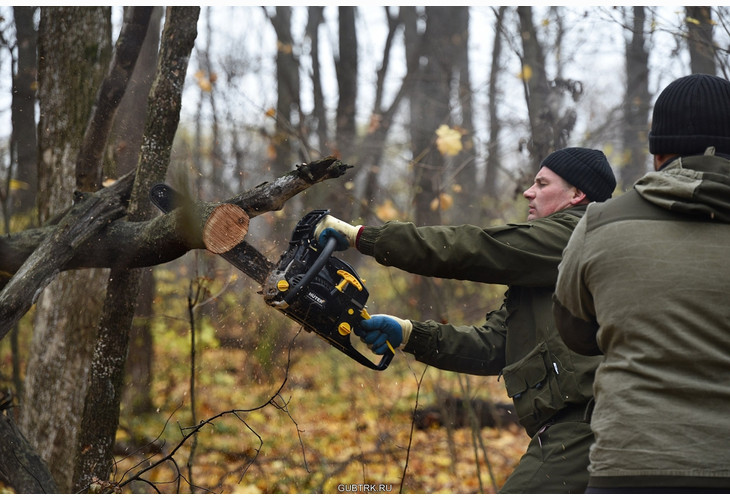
point(532, 384)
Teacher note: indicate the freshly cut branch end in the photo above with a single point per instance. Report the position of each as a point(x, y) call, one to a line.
point(226, 227)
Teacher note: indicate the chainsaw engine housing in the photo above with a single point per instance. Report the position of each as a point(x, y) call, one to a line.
point(321, 292)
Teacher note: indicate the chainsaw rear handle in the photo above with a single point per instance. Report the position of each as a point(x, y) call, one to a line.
point(387, 357)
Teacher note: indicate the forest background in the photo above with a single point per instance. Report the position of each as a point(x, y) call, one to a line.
point(134, 360)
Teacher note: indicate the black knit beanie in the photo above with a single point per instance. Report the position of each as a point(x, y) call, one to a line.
point(691, 114)
point(586, 169)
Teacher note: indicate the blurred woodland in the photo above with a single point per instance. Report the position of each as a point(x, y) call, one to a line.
point(132, 359)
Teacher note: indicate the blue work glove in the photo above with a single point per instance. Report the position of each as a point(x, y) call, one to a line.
point(381, 330)
point(346, 234)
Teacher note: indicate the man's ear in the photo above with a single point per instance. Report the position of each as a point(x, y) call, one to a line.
point(579, 197)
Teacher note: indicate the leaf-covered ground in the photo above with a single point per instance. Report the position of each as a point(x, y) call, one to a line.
point(287, 413)
point(311, 421)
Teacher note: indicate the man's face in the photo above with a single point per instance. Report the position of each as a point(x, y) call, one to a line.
point(548, 194)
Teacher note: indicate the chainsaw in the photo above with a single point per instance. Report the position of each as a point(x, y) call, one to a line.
point(322, 293)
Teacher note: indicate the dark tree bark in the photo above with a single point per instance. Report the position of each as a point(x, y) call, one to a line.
point(319, 113)
point(89, 163)
point(430, 104)
point(100, 419)
point(23, 141)
point(125, 146)
point(493, 163)
point(462, 180)
point(636, 102)
point(537, 92)
point(346, 65)
point(430, 107)
point(21, 468)
point(700, 41)
point(552, 120)
point(288, 88)
point(74, 53)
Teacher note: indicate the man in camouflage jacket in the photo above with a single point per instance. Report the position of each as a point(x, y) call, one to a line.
point(550, 386)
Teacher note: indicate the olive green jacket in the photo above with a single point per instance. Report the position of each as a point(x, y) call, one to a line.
point(647, 275)
point(519, 340)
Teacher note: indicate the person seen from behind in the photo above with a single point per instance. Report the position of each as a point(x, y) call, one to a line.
point(644, 284)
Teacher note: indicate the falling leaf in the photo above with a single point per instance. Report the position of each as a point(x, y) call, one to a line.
point(16, 185)
point(205, 85)
point(526, 73)
point(693, 21)
point(444, 201)
point(271, 152)
point(286, 48)
point(204, 82)
point(448, 141)
point(386, 211)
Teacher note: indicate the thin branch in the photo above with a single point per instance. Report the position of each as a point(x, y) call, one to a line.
point(413, 426)
point(190, 432)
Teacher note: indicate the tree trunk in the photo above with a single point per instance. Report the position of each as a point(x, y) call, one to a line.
point(537, 93)
point(21, 468)
point(636, 103)
point(126, 144)
point(463, 175)
point(319, 113)
point(23, 141)
point(381, 117)
point(699, 40)
point(287, 83)
point(346, 66)
point(74, 54)
point(493, 163)
point(100, 419)
point(430, 108)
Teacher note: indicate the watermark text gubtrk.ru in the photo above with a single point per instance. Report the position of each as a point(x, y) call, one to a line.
point(364, 488)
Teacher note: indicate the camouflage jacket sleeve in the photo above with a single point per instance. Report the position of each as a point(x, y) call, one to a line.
point(478, 350)
point(525, 254)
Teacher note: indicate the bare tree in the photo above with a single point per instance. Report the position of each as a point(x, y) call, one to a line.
point(100, 416)
point(288, 109)
point(346, 65)
point(125, 146)
point(74, 53)
point(493, 152)
point(636, 102)
point(699, 39)
point(551, 120)
point(23, 142)
point(319, 113)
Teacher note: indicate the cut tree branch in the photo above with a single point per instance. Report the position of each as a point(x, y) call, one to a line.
point(86, 218)
point(33, 257)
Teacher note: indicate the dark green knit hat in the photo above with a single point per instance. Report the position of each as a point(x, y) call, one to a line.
point(691, 114)
point(586, 169)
